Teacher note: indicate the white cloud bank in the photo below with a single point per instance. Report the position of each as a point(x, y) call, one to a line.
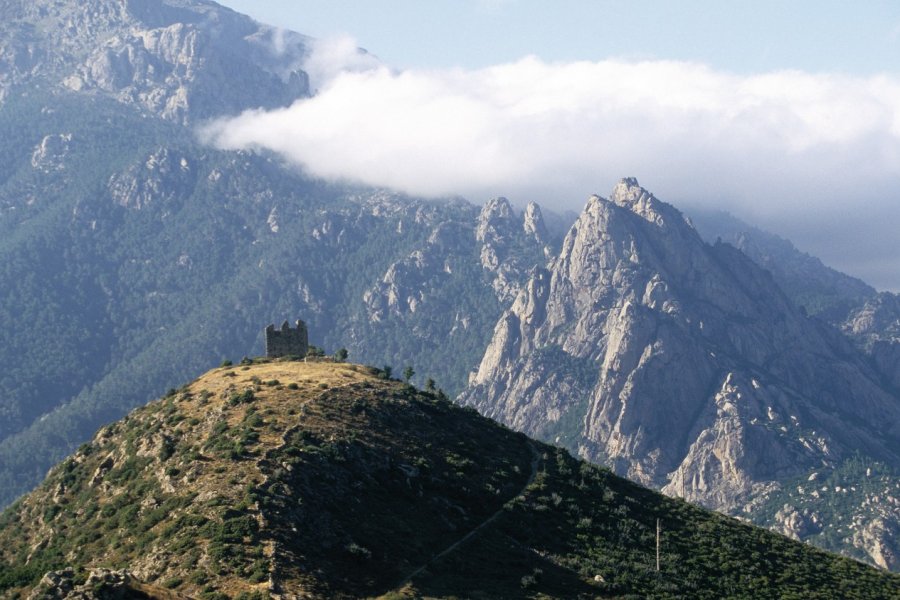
point(784, 147)
point(334, 56)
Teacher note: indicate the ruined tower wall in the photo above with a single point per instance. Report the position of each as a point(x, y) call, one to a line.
point(287, 341)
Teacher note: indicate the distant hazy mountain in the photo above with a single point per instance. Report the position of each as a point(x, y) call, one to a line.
point(681, 364)
point(820, 290)
point(870, 319)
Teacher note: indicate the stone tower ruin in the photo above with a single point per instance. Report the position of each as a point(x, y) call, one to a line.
point(287, 341)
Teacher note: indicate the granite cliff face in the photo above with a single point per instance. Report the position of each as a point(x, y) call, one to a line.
point(875, 327)
point(679, 363)
point(501, 244)
point(510, 244)
point(877, 320)
point(176, 59)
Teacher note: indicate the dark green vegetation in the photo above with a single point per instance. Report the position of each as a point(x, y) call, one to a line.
point(390, 479)
point(590, 522)
point(328, 479)
point(832, 505)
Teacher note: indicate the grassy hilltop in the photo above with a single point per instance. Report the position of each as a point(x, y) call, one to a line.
point(327, 480)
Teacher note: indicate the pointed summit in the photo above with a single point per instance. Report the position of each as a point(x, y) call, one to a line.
point(534, 222)
point(629, 194)
point(495, 220)
point(628, 191)
point(678, 363)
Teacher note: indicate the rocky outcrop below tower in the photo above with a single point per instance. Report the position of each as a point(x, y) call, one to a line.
point(679, 363)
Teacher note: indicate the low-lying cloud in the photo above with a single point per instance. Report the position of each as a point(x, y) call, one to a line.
point(785, 148)
point(335, 56)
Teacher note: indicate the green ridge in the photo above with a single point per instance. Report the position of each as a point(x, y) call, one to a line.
point(328, 479)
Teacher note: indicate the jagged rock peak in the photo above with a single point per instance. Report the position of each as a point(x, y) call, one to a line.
point(533, 222)
point(628, 191)
point(644, 347)
point(496, 208)
point(495, 219)
point(629, 194)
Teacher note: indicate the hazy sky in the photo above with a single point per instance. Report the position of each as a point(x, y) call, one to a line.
point(742, 36)
point(784, 113)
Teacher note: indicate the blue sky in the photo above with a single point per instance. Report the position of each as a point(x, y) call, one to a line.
point(744, 37)
point(786, 114)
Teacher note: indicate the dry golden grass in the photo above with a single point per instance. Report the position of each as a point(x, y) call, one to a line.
point(191, 422)
point(308, 375)
point(312, 378)
point(277, 403)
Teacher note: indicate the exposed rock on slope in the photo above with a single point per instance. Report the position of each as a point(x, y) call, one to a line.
point(853, 506)
point(182, 60)
point(505, 252)
point(681, 364)
point(409, 281)
point(875, 321)
point(875, 326)
point(508, 245)
point(878, 320)
point(870, 319)
point(534, 223)
point(165, 176)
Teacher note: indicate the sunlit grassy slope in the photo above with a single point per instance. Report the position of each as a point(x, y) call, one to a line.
point(328, 480)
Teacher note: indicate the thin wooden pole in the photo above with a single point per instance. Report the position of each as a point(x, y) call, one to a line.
point(657, 545)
